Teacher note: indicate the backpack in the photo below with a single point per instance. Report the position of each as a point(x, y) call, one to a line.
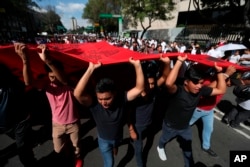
point(242, 92)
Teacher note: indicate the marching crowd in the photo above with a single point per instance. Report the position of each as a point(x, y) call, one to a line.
point(182, 90)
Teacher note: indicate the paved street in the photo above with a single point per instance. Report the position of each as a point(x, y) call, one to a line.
point(224, 140)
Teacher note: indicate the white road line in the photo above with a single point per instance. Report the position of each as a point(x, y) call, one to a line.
point(221, 113)
point(239, 131)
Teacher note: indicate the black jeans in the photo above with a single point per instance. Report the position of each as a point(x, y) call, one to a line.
point(22, 133)
point(138, 145)
point(238, 115)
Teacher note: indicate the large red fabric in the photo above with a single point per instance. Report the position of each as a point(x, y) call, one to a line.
point(101, 51)
point(75, 57)
point(209, 61)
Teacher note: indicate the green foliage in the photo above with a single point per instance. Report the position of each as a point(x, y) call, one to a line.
point(42, 22)
point(23, 4)
point(153, 9)
point(50, 21)
point(133, 11)
point(139, 10)
point(218, 4)
point(95, 7)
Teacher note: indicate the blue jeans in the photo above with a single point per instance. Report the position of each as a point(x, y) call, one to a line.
point(106, 148)
point(186, 141)
point(207, 117)
point(138, 145)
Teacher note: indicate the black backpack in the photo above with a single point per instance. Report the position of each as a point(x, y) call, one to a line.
point(242, 91)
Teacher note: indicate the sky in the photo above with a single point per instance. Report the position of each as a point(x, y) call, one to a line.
point(66, 10)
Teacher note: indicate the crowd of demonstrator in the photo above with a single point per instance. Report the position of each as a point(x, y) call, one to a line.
point(179, 91)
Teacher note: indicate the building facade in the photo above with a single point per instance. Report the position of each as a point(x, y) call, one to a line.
point(16, 24)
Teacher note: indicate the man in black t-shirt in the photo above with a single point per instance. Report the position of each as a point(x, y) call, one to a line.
point(108, 107)
point(184, 99)
point(141, 109)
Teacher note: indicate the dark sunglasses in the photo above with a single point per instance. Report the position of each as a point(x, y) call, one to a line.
point(195, 81)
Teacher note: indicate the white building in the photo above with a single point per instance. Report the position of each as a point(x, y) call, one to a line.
point(181, 5)
point(169, 30)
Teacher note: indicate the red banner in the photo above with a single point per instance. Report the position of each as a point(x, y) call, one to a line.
point(75, 57)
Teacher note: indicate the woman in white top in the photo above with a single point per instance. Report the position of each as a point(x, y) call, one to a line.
point(235, 57)
point(245, 58)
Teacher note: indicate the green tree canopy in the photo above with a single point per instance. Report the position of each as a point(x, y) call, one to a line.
point(23, 4)
point(95, 7)
point(223, 4)
point(230, 5)
point(216, 4)
point(139, 10)
point(51, 21)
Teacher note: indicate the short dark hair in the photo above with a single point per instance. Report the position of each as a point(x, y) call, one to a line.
point(150, 69)
point(105, 85)
point(194, 73)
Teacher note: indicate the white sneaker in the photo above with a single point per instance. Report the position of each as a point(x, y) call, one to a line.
point(161, 153)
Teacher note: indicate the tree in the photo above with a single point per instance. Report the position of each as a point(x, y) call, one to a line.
point(215, 5)
point(94, 8)
point(24, 4)
point(230, 5)
point(50, 20)
point(152, 10)
point(20, 14)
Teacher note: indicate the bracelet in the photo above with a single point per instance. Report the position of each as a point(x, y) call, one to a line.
point(180, 61)
point(226, 75)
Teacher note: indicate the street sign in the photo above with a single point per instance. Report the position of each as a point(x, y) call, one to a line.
point(105, 15)
point(119, 17)
point(116, 16)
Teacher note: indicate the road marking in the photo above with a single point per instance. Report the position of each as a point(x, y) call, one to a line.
point(241, 124)
point(239, 131)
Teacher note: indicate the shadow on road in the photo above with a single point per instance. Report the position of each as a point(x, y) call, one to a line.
point(129, 154)
point(225, 106)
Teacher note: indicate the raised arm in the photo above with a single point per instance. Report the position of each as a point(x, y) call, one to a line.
point(45, 57)
point(229, 71)
point(20, 50)
point(165, 72)
point(221, 83)
point(82, 98)
point(139, 86)
point(170, 81)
